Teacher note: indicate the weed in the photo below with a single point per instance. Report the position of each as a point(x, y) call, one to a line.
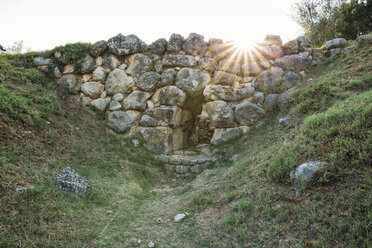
point(201, 201)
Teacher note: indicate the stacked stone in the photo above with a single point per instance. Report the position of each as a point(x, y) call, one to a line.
point(186, 162)
point(245, 88)
point(152, 90)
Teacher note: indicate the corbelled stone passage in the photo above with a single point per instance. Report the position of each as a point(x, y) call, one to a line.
point(184, 92)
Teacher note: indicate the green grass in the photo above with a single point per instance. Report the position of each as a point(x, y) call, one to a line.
point(337, 128)
point(245, 203)
point(72, 52)
point(18, 69)
point(33, 152)
point(201, 201)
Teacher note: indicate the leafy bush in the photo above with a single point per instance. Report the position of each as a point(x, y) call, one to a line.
point(73, 52)
point(323, 20)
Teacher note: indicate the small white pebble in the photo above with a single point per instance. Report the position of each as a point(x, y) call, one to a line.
point(151, 245)
point(179, 217)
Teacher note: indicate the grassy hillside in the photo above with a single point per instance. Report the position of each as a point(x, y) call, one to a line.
point(41, 133)
point(246, 203)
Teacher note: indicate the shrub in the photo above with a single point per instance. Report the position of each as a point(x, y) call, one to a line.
point(73, 52)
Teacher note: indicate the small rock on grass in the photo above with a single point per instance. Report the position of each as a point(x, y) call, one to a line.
point(151, 245)
point(284, 121)
point(23, 189)
point(233, 157)
point(158, 220)
point(135, 142)
point(179, 217)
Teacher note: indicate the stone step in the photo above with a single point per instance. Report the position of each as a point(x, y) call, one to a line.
point(186, 152)
point(185, 159)
point(185, 163)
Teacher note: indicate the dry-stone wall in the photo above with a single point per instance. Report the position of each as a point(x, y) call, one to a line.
point(186, 91)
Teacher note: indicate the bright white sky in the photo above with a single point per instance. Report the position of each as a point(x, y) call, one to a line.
point(44, 24)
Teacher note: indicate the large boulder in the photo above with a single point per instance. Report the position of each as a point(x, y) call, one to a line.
point(125, 45)
point(177, 139)
point(304, 44)
point(70, 82)
point(269, 51)
point(273, 40)
point(70, 182)
point(101, 103)
point(114, 106)
point(220, 114)
point(258, 97)
point(121, 121)
point(247, 113)
point(118, 82)
point(333, 53)
point(168, 77)
point(98, 48)
point(175, 43)
point(92, 89)
point(111, 61)
point(290, 80)
point(100, 73)
point(335, 43)
point(224, 78)
point(169, 115)
point(208, 64)
point(88, 64)
point(179, 60)
point(271, 102)
point(148, 121)
point(285, 98)
point(138, 64)
point(350, 49)
point(137, 100)
point(293, 62)
point(195, 44)
point(270, 80)
point(245, 92)
point(192, 81)
point(224, 134)
point(171, 96)
point(304, 174)
point(365, 39)
point(148, 81)
point(291, 47)
point(159, 139)
point(214, 45)
point(219, 92)
point(159, 46)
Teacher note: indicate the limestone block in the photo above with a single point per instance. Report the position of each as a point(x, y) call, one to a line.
point(118, 82)
point(220, 114)
point(247, 113)
point(192, 81)
point(92, 89)
point(121, 121)
point(137, 100)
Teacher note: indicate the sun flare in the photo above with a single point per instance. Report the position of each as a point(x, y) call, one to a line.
point(245, 45)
